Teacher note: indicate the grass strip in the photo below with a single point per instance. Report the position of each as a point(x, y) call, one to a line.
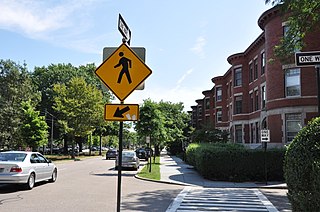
point(155, 170)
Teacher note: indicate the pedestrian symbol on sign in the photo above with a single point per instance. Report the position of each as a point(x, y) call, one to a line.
point(126, 64)
point(131, 66)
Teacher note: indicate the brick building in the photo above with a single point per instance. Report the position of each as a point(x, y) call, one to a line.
point(259, 92)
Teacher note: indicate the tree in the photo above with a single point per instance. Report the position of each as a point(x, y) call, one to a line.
point(175, 125)
point(16, 87)
point(209, 135)
point(79, 106)
point(34, 129)
point(164, 122)
point(151, 123)
point(46, 77)
point(304, 16)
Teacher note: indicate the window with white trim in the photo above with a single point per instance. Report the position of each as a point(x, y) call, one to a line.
point(219, 93)
point(292, 82)
point(238, 104)
point(219, 115)
point(293, 125)
point(238, 77)
point(263, 62)
point(263, 96)
point(238, 133)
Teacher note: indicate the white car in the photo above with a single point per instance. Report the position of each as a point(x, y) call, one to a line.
point(129, 160)
point(27, 168)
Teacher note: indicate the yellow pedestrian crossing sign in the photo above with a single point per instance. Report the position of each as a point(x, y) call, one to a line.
point(123, 71)
point(121, 112)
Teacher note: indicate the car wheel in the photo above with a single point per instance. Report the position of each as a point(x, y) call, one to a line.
point(31, 181)
point(54, 176)
point(116, 168)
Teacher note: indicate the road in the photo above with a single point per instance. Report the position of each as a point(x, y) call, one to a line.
point(89, 185)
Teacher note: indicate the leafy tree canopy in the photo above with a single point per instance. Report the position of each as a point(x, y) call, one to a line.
point(79, 105)
point(16, 87)
point(34, 128)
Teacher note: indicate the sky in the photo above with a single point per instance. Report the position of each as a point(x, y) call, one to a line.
point(187, 42)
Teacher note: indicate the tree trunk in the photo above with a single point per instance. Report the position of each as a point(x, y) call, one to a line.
point(157, 150)
point(65, 145)
point(72, 151)
point(100, 149)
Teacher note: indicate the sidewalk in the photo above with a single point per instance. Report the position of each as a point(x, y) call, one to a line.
point(176, 171)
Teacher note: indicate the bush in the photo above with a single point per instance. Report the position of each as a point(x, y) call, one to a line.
point(233, 162)
point(302, 168)
point(191, 153)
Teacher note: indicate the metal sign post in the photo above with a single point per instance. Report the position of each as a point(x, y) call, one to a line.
point(119, 166)
point(303, 59)
point(122, 72)
point(265, 138)
point(318, 82)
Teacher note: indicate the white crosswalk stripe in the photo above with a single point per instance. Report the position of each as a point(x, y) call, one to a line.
point(220, 199)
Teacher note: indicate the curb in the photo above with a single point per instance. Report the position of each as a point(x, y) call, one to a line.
point(185, 184)
point(159, 181)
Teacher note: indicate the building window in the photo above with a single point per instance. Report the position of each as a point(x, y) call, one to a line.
point(255, 69)
point(251, 133)
point(250, 72)
point(219, 93)
point(238, 133)
point(251, 102)
point(238, 77)
point(219, 115)
point(263, 96)
point(207, 103)
point(199, 111)
point(256, 101)
point(238, 105)
point(257, 133)
point(294, 38)
point(293, 126)
point(285, 30)
point(263, 62)
point(292, 81)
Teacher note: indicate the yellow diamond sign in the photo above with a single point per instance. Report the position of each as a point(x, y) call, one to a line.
point(123, 71)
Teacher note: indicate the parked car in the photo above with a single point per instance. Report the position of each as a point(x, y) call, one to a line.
point(111, 153)
point(129, 160)
point(27, 168)
point(142, 154)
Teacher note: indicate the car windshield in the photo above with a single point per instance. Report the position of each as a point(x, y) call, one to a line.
point(128, 154)
point(12, 156)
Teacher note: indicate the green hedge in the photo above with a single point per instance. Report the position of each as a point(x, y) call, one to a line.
point(232, 162)
point(302, 168)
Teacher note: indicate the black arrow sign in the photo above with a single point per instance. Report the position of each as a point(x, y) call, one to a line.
point(119, 113)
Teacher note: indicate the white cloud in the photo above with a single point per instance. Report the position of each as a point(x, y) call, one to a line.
point(62, 23)
point(179, 82)
point(32, 17)
point(198, 48)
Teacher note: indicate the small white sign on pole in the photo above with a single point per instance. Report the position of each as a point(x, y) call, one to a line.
point(148, 139)
point(265, 135)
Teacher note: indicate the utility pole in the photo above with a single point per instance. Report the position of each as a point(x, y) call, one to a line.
point(51, 140)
